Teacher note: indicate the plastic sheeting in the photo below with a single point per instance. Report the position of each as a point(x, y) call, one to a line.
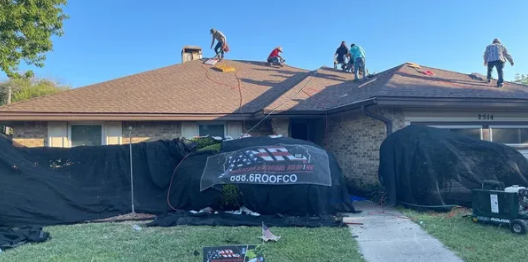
point(303, 199)
point(47, 186)
point(427, 166)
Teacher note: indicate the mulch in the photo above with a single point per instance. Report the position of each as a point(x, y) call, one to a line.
point(126, 217)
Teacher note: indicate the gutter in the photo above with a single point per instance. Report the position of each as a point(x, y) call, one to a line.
point(442, 102)
point(387, 121)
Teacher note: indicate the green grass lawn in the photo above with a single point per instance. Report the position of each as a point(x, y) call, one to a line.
point(470, 241)
point(119, 242)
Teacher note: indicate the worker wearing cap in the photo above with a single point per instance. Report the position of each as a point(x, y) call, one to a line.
point(357, 54)
point(275, 58)
point(495, 56)
point(340, 56)
point(222, 42)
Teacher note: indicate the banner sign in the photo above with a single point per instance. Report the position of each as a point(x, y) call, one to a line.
point(280, 164)
point(241, 253)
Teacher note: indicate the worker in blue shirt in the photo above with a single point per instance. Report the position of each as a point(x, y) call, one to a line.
point(357, 54)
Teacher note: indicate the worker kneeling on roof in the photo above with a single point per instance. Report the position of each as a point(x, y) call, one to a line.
point(340, 56)
point(221, 46)
point(275, 58)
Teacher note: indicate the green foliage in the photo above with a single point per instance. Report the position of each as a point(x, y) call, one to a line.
point(203, 142)
point(26, 28)
point(231, 197)
point(521, 79)
point(214, 147)
point(27, 88)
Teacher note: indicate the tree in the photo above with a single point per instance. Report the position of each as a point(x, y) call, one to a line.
point(521, 79)
point(26, 28)
point(26, 88)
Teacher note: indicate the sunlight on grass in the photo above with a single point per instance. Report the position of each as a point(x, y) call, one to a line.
point(119, 242)
point(470, 241)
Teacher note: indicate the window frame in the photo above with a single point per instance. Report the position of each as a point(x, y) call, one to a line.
point(101, 124)
point(507, 127)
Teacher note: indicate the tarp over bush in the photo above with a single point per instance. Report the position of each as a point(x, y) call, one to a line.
point(46, 186)
point(428, 166)
point(299, 199)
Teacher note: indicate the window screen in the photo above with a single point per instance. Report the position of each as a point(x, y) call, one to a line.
point(86, 135)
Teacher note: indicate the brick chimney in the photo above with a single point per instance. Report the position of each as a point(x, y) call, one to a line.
point(190, 53)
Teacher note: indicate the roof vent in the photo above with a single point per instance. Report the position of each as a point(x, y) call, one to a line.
point(190, 53)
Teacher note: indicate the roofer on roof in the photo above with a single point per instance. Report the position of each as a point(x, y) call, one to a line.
point(340, 56)
point(221, 45)
point(357, 54)
point(495, 56)
point(275, 58)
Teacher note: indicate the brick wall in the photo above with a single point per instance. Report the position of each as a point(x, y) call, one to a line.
point(281, 126)
point(263, 129)
point(151, 131)
point(355, 140)
point(30, 134)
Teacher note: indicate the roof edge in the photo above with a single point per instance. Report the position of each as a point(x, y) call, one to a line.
point(22, 116)
point(452, 102)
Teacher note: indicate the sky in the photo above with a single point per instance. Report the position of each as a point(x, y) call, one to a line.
point(108, 39)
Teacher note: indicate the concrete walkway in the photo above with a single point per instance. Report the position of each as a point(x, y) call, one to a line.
point(388, 238)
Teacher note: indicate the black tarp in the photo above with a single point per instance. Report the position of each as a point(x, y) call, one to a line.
point(47, 186)
point(278, 164)
point(428, 166)
point(14, 237)
point(299, 200)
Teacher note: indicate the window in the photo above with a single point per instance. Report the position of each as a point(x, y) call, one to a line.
point(471, 132)
point(475, 132)
point(211, 130)
point(509, 135)
point(86, 135)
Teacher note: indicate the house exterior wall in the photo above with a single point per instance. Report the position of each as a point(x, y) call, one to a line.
point(281, 126)
point(263, 129)
point(35, 134)
point(151, 131)
point(30, 134)
point(355, 139)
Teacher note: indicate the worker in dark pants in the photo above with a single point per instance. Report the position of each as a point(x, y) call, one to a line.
point(275, 58)
point(222, 42)
point(340, 56)
point(495, 56)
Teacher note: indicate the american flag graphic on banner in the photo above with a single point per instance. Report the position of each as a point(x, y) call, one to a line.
point(259, 156)
point(280, 164)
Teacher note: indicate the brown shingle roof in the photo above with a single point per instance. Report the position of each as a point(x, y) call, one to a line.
point(329, 88)
point(184, 89)
point(177, 89)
